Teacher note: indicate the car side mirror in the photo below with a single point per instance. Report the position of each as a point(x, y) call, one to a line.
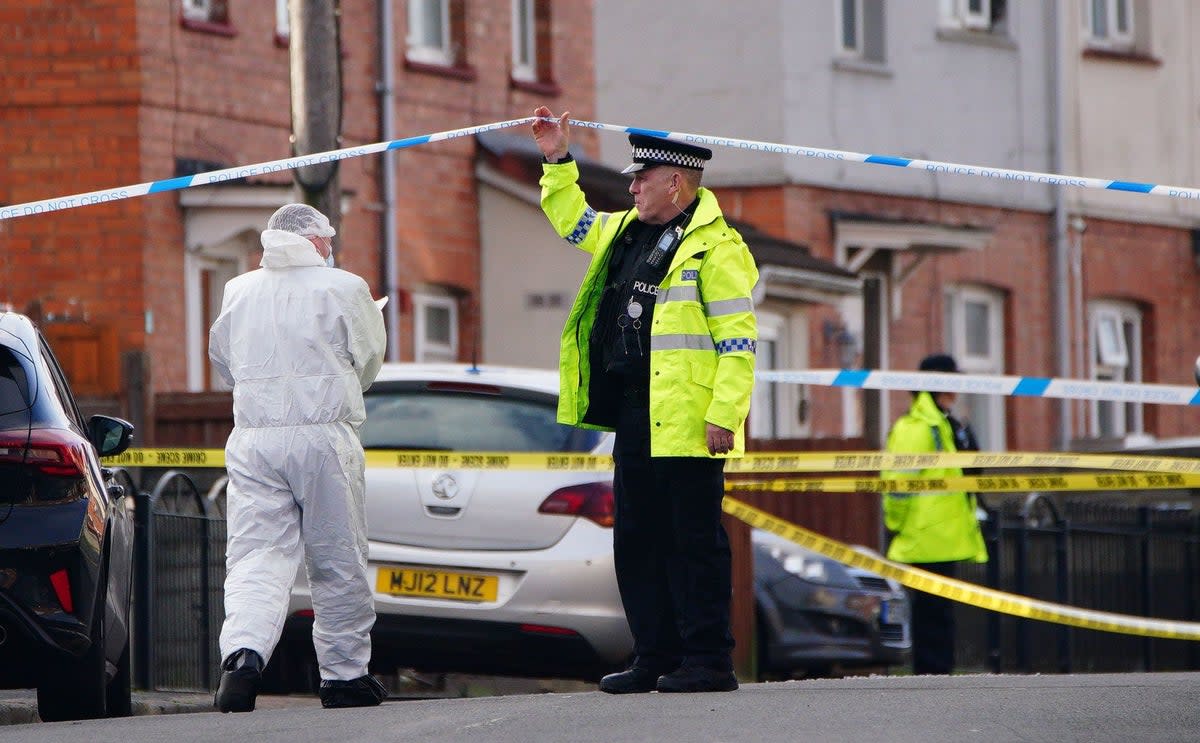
point(109, 435)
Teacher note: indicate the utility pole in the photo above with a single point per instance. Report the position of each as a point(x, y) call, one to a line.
point(316, 73)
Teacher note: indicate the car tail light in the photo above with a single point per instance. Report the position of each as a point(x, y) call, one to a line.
point(592, 500)
point(52, 452)
point(304, 614)
point(62, 589)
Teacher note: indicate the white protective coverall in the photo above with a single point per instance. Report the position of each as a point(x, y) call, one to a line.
point(299, 342)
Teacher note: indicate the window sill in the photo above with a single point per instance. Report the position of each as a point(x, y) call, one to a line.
point(538, 87)
point(456, 72)
point(852, 64)
point(997, 39)
point(208, 27)
point(1122, 55)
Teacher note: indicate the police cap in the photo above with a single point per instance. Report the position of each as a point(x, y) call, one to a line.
point(649, 152)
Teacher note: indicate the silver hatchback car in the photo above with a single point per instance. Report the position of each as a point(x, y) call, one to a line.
point(494, 571)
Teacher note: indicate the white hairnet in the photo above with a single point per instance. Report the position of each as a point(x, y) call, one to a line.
point(301, 219)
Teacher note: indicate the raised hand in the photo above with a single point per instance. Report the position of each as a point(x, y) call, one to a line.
point(552, 137)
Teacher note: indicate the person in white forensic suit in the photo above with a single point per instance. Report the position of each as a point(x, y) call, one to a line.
point(299, 341)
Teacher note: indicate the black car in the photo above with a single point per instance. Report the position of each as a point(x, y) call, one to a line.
point(66, 539)
point(818, 617)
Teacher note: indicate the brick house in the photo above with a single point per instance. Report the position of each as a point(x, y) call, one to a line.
point(1013, 277)
point(96, 96)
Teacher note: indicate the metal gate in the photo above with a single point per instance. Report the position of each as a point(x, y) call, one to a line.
point(179, 583)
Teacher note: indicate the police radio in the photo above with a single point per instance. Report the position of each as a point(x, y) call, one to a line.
point(666, 245)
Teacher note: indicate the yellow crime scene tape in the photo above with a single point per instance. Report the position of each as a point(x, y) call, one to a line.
point(961, 591)
point(1146, 473)
point(995, 484)
point(753, 462)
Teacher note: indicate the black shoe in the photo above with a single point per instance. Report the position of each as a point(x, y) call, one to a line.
point(364, 691)
point(635, 680)
point(697, 678)
point(239, 682)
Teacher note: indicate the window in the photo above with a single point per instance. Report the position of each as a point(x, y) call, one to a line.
point(429, 37)
point(524, 42)
point(283, 22)
point(974, 15)
point(1110, 23)
point(457, 418)
point(436, 319)
point(974, 320)
point(205, 14)
point(1115, 349)
point(861, 29)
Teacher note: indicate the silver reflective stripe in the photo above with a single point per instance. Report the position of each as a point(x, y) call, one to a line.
point(681, 341)
point(680, 294)
point(729, 306)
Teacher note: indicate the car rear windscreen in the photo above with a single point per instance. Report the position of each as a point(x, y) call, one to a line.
point(466, 422)
point(15, 395)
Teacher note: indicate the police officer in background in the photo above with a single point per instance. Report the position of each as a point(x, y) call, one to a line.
point(932, 531)
point(659, 346)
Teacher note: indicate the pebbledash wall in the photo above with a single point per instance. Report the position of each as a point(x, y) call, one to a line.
point(94, 96)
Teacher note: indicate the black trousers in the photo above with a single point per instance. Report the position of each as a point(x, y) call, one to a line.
point(672, 554)
point(933, 626)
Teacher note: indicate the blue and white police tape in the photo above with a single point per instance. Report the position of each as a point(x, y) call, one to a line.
point(241, 171)
point(982, 384)
point(45, 206)
point(928, 166)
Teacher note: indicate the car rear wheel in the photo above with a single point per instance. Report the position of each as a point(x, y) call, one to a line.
point(119, 694)
point(75, 689)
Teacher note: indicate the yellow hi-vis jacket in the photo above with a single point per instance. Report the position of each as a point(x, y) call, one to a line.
point(929, 527)
point(703, 335)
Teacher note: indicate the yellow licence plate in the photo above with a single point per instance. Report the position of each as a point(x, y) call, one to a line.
point(438, 584)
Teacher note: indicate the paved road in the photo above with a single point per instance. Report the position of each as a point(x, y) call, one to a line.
point(1124, 708)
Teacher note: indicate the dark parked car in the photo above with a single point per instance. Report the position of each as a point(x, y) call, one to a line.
point(66, 539)
point(817, 616)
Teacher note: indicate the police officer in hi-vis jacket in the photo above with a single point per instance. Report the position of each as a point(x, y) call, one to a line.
point(659, 347)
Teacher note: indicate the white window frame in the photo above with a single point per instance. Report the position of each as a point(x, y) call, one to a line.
point(1111, 36)
point(197, 10)
point(1115, 358)
point(858, 50)
point(992, 431)
point(958, 14)
point(854, 49)
point(283, 21)
point(524, 35)
point(425, 349)
point(419, 19)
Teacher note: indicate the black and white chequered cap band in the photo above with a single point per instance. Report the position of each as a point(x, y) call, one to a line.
point(666, 157)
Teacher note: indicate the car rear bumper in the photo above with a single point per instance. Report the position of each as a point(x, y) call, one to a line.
point(557, 612)
point(29, 647)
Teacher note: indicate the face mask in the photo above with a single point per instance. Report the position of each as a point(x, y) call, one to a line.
point(329, 260)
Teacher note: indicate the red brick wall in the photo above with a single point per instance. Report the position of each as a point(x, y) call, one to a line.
point(68, 113)
point(437, 203)
point(95, 96)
